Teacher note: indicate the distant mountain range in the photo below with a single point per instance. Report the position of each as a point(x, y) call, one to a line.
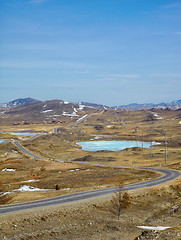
point(28, 110)
point(18, 102)
point(133, 106)
point(31, 110)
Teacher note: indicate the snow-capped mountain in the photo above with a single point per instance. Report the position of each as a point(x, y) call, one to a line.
point(94, 105)
point(45, 111)
point(135, 106)
point(17, 102)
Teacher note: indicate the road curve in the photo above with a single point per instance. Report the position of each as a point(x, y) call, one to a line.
point(168, 175)
point(24, 150)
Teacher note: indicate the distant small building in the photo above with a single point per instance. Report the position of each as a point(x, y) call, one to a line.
point(21, 123)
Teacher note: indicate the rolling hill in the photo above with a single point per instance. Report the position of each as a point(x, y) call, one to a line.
point(45, 111)
point(28, 110)
point(17, 102)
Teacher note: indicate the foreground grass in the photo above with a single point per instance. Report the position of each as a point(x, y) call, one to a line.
point(97, 219)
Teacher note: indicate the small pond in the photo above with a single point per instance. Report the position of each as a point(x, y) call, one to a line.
point(17, 134)
point(112, 145)
point(3, 141)
point(21, 133)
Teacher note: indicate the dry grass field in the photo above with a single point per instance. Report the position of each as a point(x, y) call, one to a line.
point(97, 218)
point(59, 166)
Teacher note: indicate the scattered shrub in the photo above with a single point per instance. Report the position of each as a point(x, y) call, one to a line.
point(57, 187)
point(42, 169)
point(120, 200)
point(4, 197)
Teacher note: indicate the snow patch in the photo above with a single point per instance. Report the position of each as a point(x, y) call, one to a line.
point(159, 228)
point(180, 122)
point(49, 110)
point(32, 180)
point(81, 107)
point(66, 189)
point(156, 115)
point(14, 151)
point(65, 102)
point(97, 137)
point(8, 170)
point(82, 118)
point(109, 126)
point(73, 170)
point(3, 194)
point(26, 188)
point(73, 114)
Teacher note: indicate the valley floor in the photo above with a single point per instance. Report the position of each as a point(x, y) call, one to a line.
point(59, 168)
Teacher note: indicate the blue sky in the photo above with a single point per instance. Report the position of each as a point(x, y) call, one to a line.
point(112, 52)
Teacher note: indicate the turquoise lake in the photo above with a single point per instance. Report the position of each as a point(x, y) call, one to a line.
point(3, 141)
point(21, 133)
point(112, 145)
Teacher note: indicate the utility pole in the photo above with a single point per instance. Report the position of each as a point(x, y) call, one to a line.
point(142, 141)
point(151, 144)
point(126, 128)
point(165, 148)
point(137, 133)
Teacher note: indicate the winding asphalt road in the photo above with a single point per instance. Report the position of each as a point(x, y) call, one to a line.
point(168, 175)
point(24, 150)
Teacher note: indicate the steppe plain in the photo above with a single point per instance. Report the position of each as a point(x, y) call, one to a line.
point(59, 168)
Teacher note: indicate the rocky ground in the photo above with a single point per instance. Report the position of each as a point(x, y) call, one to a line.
point(98, 218)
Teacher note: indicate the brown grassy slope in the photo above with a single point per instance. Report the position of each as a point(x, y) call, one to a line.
point(97, 219)
point(43, 111)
